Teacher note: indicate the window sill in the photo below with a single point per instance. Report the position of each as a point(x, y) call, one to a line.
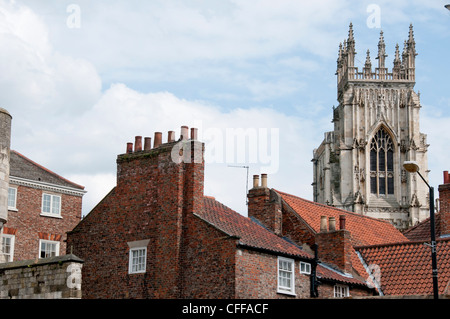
point(51, 215)
point(12, 209)
point(136, 272)
point(283, 292)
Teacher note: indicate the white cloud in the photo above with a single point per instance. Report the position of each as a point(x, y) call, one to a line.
point(125, 113)
point(51, 82)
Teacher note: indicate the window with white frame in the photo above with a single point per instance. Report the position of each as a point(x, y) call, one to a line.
point(341, 291)
point(305, 268)
point(286, 278)
point(138, 260)
point(12, 198)
point(48, 248)
point(7, 242)
point(51, 204)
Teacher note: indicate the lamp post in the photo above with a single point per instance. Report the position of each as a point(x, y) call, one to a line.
point(412, 167)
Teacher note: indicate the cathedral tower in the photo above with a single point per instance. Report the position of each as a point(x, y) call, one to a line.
point(359, 165)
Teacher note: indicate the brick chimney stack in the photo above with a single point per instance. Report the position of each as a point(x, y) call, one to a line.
point(172, 175)
point(444, 205)
point(264, 204)
point(334, 245)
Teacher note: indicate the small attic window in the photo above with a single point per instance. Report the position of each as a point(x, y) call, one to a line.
point(305, 268)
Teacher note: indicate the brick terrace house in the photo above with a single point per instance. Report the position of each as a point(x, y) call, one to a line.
point(156, 235)
point(42, 207)
point(397, 264)
point(405, 268)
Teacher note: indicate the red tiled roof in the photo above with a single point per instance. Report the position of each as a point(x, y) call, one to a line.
point(365, 230)
point(405, 268)
point(421, 231)
point(249, 232)
point(253, 235)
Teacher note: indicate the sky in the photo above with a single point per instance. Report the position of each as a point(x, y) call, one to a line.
point(83, 78)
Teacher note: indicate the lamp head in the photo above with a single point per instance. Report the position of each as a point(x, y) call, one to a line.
point(447, 6)
point(411, 166)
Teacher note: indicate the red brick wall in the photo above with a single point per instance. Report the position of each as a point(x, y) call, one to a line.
point(208, 262)
point(265, 205)
point(29, 226)
point(257, 277)
point(335, 248)
point(444, 205)
point(326, 291)
point(154, 199)
point(296, 229)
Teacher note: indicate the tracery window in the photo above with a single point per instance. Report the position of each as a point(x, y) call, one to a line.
point(382, 164)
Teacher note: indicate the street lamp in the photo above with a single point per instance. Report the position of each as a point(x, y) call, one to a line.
point(447, 6)
point(412, 167)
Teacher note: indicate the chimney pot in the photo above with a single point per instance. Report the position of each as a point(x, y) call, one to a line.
point(446, 178)
point(184, 132)
point(158, 139)
point(264, 180)
point(332, 223)
point(138, 143)
point(342, 221)
point(171, 136)
point(194, 132)
point(255, 181)
point(129, 148)
point(323, 224)
point(147, 143)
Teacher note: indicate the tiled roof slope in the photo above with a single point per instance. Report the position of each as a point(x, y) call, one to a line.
point(421, 231)
point(250, 233)
point(405, 268)
point(253, 235)
point(23, 167)
point(365, 230)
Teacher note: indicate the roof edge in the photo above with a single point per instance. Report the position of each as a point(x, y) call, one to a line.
point(47, 170)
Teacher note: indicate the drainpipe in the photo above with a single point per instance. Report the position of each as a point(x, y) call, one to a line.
point(314, 285)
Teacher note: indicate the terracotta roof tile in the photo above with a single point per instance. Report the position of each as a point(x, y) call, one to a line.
point(421, 231)
point(365, 230)
point(251, 234)
point(405, 268)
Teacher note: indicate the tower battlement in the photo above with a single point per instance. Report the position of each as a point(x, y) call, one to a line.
point(403, 69)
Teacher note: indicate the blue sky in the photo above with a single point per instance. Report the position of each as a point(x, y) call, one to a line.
point(82, 78)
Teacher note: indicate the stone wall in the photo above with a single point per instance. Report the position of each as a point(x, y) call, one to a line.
point(47, 278)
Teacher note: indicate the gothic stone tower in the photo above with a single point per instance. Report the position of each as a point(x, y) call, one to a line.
point(359, 166)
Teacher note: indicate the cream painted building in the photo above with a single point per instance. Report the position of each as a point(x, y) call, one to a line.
point(359, 165)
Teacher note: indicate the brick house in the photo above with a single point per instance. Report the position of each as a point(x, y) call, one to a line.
point(42, 207)
point(156, 235)
point(405, 268)
point(397, 264)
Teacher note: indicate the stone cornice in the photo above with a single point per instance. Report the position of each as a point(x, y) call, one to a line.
point(46, 186)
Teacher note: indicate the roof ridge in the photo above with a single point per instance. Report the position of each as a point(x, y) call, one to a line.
point(333, 208)
point(409, 242)
point(47, 170)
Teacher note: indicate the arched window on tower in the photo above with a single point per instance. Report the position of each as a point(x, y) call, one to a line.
point(382, 164)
